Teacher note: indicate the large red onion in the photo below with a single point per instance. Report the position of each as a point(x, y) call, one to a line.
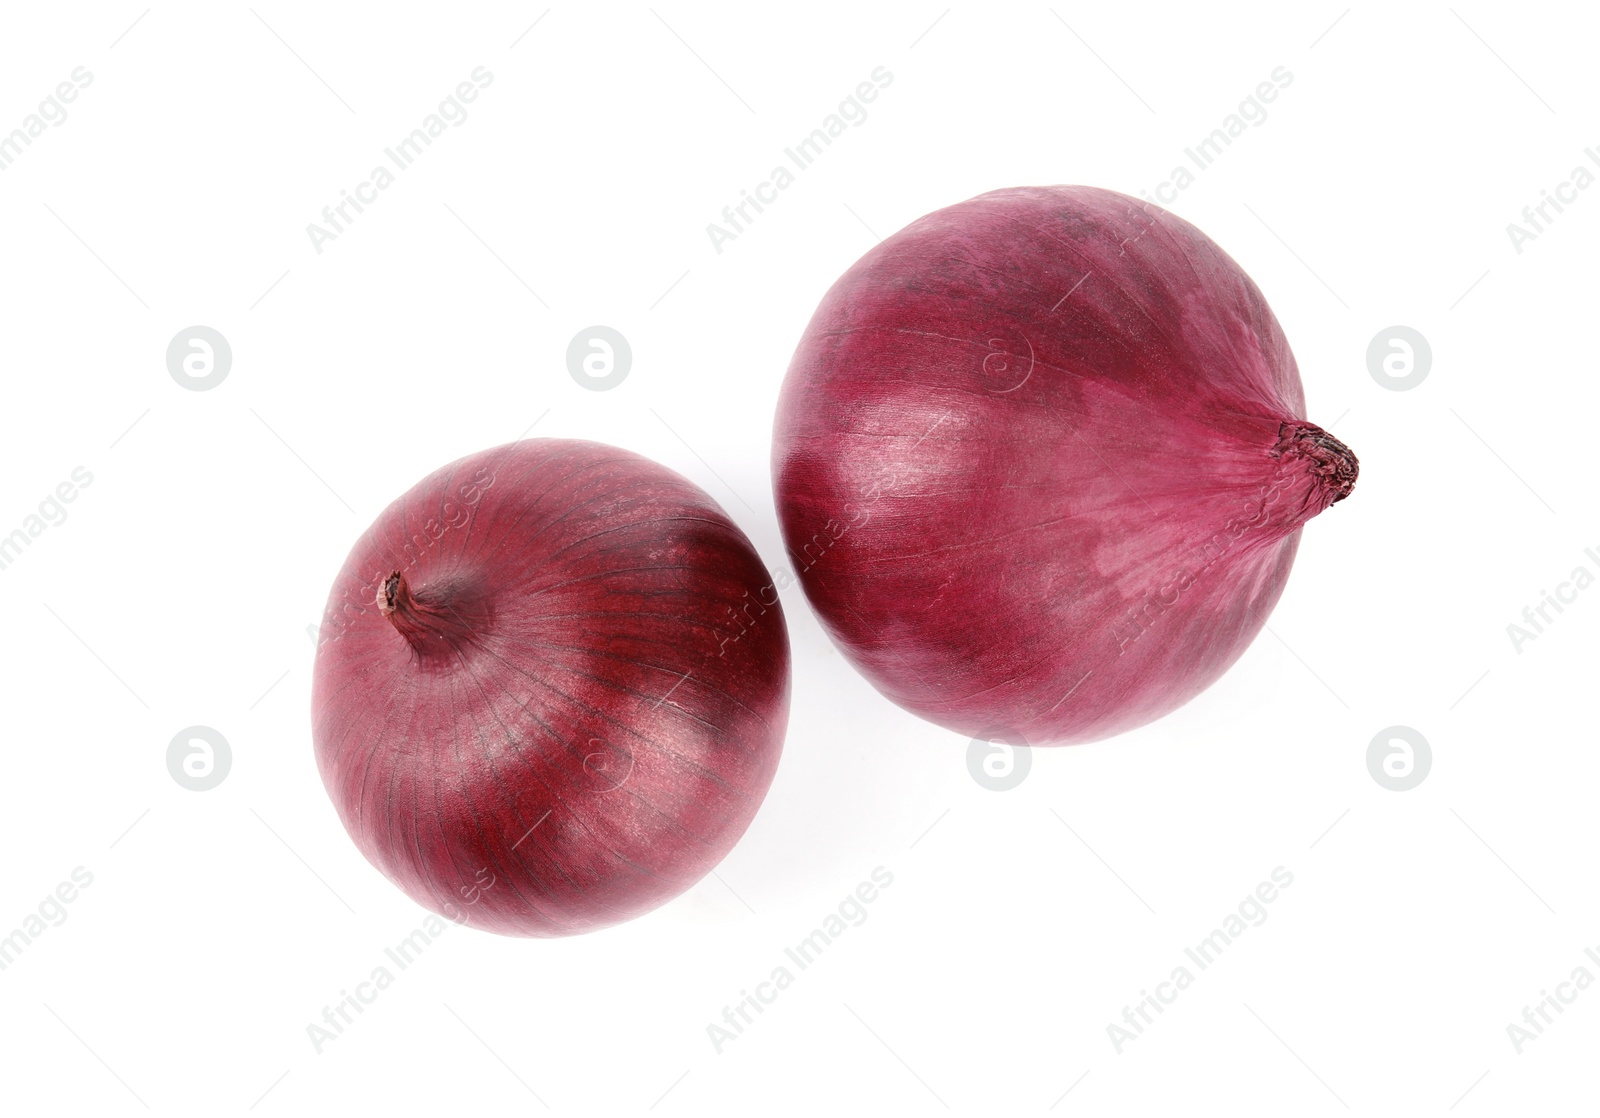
point(1040, 463)
point(551, 692)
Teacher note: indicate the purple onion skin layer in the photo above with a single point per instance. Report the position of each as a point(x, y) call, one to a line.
point(550, 693)
point(1040, 464)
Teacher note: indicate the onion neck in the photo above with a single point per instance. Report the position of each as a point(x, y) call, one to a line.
point(437, 623)
point(1315, 470)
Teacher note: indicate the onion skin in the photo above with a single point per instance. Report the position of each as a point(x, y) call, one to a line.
point(550, 694)
point(1040, 465)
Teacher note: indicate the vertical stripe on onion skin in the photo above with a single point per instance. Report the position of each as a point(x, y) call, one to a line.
point(1040, 463)
point(542, 702)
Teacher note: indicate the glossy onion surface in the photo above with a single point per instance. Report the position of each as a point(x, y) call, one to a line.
point(550, 692)
point(1040, 464)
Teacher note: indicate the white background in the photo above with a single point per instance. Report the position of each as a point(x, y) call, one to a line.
point(180, 588)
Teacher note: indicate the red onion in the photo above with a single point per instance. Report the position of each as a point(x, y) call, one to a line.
point(1040, 465)
point(551, 693)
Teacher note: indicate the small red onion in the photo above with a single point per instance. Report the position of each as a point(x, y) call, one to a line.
point(551, 692)
point(1040, 463)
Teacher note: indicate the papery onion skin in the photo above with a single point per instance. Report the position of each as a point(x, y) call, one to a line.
point(550, 692)
point(1040, 465)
